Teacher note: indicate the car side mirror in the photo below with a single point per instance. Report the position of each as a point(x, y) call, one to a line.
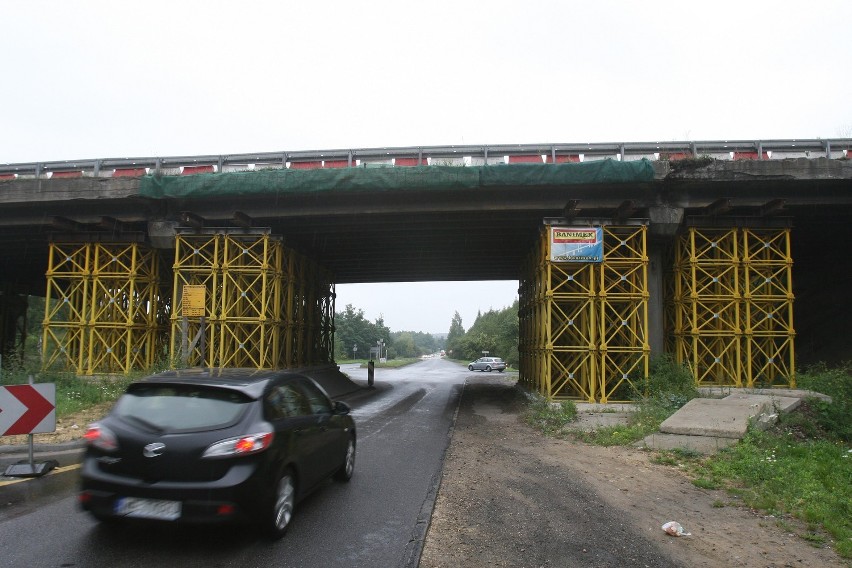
point(341, 407)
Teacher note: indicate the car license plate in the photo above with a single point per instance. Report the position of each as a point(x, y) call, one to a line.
point(148, 508)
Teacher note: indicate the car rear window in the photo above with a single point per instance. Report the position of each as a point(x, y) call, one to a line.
point(180, 407)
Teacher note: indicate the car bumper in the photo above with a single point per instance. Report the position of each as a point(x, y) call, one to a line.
point(237, 497)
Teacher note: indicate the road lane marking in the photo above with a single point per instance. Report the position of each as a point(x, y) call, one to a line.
point(55, 470)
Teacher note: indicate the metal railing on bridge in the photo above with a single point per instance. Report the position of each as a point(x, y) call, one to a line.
point(475, 155)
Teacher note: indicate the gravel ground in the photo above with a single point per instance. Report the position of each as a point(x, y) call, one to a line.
point(512, 497)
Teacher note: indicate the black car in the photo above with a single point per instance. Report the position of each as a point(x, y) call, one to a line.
point(215, 445)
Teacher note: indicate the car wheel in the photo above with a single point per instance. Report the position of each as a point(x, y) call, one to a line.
point(470, 367)
point(281, 506)
point(488, 368)
point(348, 468)
point(501, 370)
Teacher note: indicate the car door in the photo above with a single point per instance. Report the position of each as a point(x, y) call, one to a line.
point(289, 409)
point(330, 438)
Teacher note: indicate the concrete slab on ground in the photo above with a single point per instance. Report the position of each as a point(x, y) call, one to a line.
point(728, 417)
point(724, 418)
point(591, 416)
point(722, 392)
point(700, 444)
point(589, 421)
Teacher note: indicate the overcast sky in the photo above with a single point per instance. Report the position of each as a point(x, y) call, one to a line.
point(85, 79)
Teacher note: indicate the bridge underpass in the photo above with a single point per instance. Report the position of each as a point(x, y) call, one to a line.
point(688, 286)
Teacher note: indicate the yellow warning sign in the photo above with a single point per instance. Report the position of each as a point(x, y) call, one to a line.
point(193, 300)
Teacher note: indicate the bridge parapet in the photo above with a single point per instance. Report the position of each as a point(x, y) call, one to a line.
point(496, 154)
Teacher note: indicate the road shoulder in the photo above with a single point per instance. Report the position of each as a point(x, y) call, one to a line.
point(511, 497)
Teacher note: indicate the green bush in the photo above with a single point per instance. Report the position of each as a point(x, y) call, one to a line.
point(669, 385)
point(549, 417)
point(834, 417)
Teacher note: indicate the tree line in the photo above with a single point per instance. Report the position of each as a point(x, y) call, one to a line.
point(495, 331)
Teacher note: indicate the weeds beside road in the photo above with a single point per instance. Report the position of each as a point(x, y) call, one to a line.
point(73, 393)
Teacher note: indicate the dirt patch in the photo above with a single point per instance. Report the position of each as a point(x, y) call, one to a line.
point(511, 497)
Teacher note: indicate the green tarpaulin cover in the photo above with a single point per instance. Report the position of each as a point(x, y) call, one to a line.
point(394, 179)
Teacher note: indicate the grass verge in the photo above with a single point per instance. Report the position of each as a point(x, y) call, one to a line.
point(73, 393)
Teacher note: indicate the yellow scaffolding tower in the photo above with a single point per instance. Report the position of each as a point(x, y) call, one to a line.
point(266, 306)
point(733, 315)
point(768, 295)
point(623, 300)
point(101, 307)
point(197, 263)
point(583, 325)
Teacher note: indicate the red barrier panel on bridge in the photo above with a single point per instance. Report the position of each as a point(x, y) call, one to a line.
point(524, 159)
point(569, 159)
point(408, 162)
point(129, 172)
point(674, 156)
point(336, 164)
point(305, 165)
point(192, 170)
point(749, 156)
point(7, 176)
point(66, 175)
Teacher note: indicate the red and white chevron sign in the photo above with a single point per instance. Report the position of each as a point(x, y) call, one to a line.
point(27, 409)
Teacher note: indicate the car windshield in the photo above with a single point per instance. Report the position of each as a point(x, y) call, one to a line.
point(179, 407)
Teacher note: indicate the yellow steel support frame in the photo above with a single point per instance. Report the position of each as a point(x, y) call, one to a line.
point(197, 263)
point(734, 306)
point(623, 302)
point(266, 305)
point(101, 307)
point(709, 300)
point(584, 326)
point(768, 297)
point(65, 306)
point(249, 321)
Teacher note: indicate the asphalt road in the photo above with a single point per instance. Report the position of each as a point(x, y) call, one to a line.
point(377, 520)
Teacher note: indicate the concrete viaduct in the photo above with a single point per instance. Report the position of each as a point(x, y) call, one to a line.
point(731, 255)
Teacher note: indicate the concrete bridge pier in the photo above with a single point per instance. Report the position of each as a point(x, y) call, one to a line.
point(665, 222)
